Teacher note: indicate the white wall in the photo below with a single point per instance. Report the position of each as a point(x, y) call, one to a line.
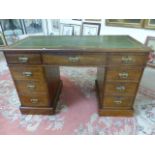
point(139, 34)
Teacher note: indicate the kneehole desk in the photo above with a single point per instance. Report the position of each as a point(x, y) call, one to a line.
point(34, 65)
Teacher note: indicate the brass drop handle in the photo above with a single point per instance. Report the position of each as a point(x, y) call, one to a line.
point(23, 59)
point(120, 88)
point(118, 101)
point(123, 75)
point(127, 59)
point(34, 100)
point(31, 86)
point(74, 59)
point(27, 74)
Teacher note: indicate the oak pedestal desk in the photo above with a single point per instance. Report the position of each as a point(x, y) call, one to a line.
point(34, 65)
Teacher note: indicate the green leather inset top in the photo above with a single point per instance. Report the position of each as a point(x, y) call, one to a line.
point(78, 42)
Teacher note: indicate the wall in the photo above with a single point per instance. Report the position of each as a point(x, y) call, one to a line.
point(139, 34)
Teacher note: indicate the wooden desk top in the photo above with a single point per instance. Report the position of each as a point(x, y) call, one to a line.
point(97, 43)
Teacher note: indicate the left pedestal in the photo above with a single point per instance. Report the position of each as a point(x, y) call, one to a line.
point(38, 87)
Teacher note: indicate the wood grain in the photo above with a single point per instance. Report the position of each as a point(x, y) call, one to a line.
point(133, 74)
point(136, 59)
point(35, 100)
point(112, 88)
point(118, 101)
point(37, 72)
point(31, 87)
point(37, 110)
point(17, 58)
point(116, 112)
point(74, 59)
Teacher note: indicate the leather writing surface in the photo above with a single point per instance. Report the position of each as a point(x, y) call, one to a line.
point(78, 42)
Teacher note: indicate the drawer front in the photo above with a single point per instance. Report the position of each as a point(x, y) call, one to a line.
point(118, 101)
point(128, 59)
point(27, 72)
point(35, 100)
point(31, 87)
point(74, 59)
point(121, 88)
point(124, 74)
point(23, 58)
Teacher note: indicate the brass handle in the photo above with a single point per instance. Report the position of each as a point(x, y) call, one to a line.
point(74, 59)
point(27, 74)
point(118, 101)
point(34, 100)
point(23, 59)
point(31, 86)
point(120, 88)
point(123, 75)
point(127, 59)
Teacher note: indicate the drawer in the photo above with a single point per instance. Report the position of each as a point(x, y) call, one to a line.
point(27, 72)
point(23, 58)
point(31, 87)
point(38, 100)
point(124, 74)
point(120, 88)
point(128, 59)
point(118, 101)
point(74, 59)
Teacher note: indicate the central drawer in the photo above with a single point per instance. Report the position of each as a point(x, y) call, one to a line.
point(120, 88)
point(27, 72)
point(60, 59)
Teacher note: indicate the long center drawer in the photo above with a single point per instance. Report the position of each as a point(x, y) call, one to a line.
point(58, 59)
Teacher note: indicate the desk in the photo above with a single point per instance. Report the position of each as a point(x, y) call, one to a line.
point(34, 65)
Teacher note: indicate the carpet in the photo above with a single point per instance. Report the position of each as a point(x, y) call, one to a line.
point(76, 110)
